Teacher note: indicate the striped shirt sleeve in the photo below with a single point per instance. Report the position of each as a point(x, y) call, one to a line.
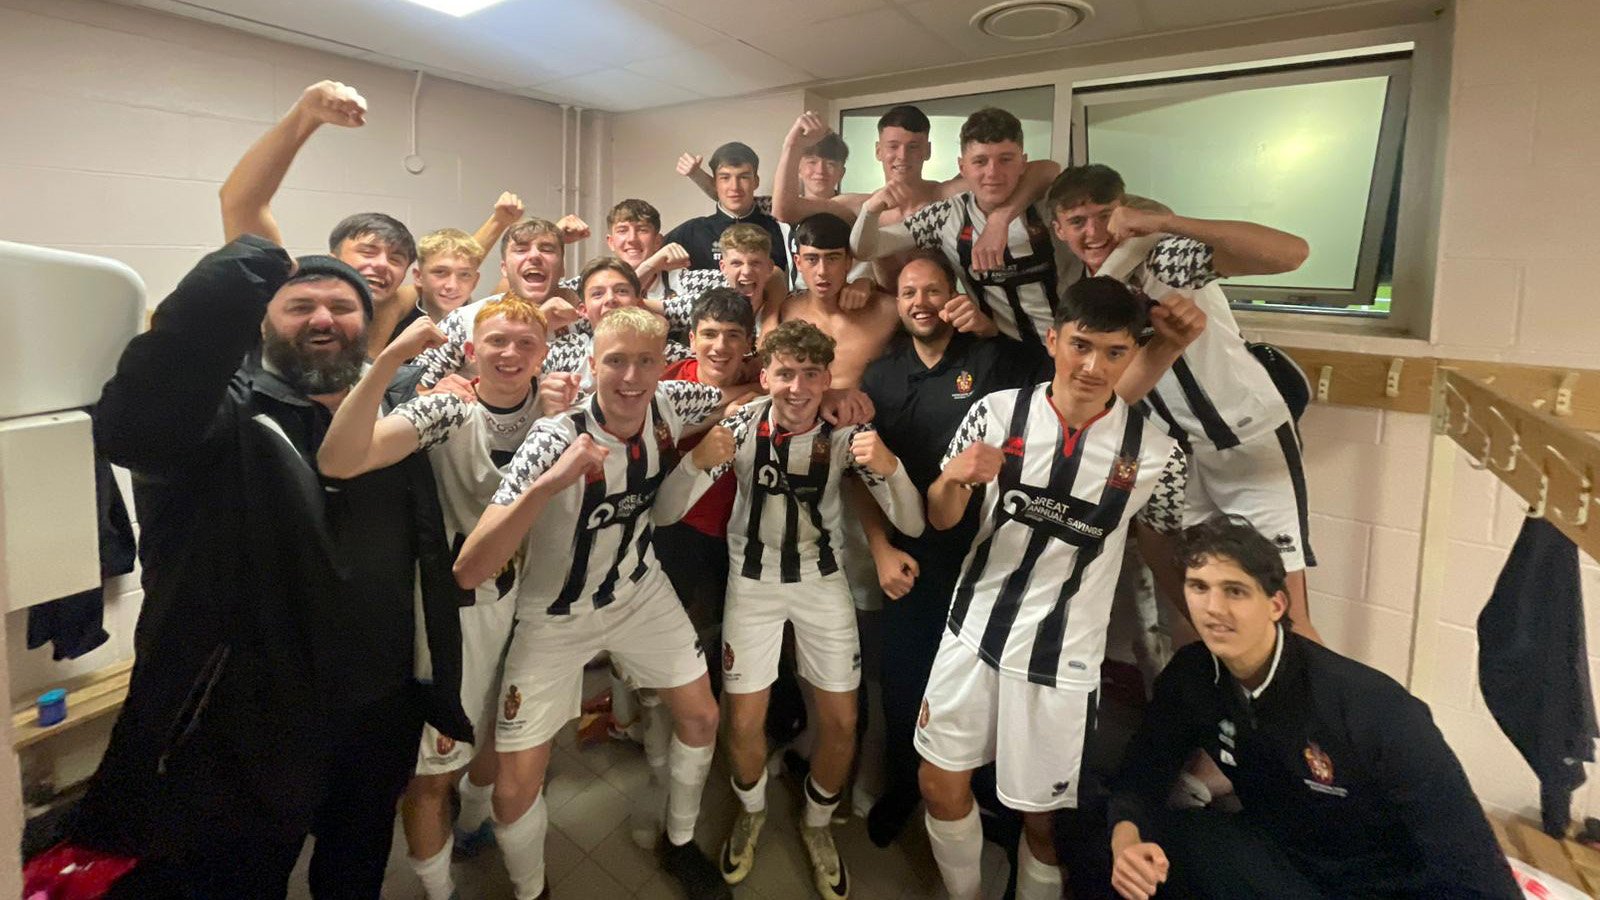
point(1164, 510)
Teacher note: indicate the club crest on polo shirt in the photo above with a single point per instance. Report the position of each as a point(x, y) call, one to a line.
point(1321, 766)
point(1124, 471)
point(963, 386)
point(663, 435)
point(513, 702)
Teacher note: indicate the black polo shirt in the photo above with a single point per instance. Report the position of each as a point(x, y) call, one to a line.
point(919, 409)
point(700, 237)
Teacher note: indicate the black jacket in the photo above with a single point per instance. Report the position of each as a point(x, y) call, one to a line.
point(264, 616)
point(1334, 762)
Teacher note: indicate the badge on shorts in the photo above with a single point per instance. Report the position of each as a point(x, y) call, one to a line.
point(1284, 542)
point(963, 384)
point(727, 657)
point(513, 702)
point(1059, 788)
point(922, 717)
point(444, 744)
point(1123, 473)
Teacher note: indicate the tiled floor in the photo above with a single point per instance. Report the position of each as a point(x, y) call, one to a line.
point(590, 855)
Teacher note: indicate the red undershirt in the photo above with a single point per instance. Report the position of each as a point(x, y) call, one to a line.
point(710, 514)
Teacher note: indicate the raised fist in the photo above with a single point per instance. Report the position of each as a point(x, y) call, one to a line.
point(572, 228)
point(806, 131)
point(508, 209)
point(558, 391)
point(713, 450)
point(872, 454)
point(419, 336)
point(978, 464)
point(965, 315)
point(689, 163)
point(559, 312)
point(333, 103)
point(989, 250)
point(893, 195)
point(669, 257)
point(1177, 319)
point(856, 294)
point(1131, 222)
point(580, 458)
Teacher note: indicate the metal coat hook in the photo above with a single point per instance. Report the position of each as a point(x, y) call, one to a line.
point(1516, 443)
point(1585, 491)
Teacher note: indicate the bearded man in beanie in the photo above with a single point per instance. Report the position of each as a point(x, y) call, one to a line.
point(274, 693)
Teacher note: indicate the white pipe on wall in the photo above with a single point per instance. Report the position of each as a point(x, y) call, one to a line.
point(562, 202)
point(577, 181)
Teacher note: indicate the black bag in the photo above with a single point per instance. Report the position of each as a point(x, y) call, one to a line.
point(1286, 375)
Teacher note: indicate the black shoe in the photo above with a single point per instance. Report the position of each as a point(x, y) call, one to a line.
point(888, 816)
point(694, 871)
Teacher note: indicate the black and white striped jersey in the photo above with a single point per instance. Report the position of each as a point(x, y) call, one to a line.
point(1217, 394)
point(1021, 297)
point(788, 510)
point(469, 445)
point(1035, 590)
point(591, 543)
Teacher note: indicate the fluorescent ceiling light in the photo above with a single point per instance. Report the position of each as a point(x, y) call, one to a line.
point(456, 7)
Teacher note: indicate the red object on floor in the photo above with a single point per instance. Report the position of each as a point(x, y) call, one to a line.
point(67, 872)
point(600, 702)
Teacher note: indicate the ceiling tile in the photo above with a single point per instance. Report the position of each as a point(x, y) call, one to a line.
point(617, 90)
point(869, 43)
point(951, 20)
point(1173, 15)
point(722, 69)
point(755, 18)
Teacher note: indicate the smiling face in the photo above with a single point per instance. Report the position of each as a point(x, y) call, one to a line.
point(532, 265)
point(796, 386)
point(736, 187)
point(633, 241)
point(993, 170)
point(382, 264)
point(445, 281)
point(1089, 363)
point(720, 348)
point(902, 153)
point(1083, 228)
point(315, 333)
point(747, 271)
point(626, 366)
point(508, 354)
point(604, 291)
point(923, 292)
point(1236, 618)
point(820, 176)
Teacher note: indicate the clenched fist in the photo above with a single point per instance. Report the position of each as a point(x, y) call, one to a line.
point(897, 572)
point(989, 250)
point(572, 228)
point(1177, 320)
point(1131, 222)
point(713, 450)
point(580, 458)
point(893, 195)
point(419, 336)
point(806, 131)
point(508, 209)
point(558, 391)
point(978, 464)
point(873, 454)
point(669, 257)
point(965, 315)
point(856, 294)
point(333, 103)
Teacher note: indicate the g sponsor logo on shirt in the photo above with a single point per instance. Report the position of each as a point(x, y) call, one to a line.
point(619, 509)
point(767, 477)
point(602, 516)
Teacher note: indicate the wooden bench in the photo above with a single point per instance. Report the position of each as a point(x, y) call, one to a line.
point(89, 697)
point(1576, 864)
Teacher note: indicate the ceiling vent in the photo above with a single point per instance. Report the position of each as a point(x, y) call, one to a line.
point(1030, 20)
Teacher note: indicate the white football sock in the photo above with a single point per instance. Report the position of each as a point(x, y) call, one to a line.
point(958, 849)
point(689, 767)
point(753, 799)
point(819, 805)
point(1036, 880)
point(476, 804)
point(522, 844)
point(434, 872)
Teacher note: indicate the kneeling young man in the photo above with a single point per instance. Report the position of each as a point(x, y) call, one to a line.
point(784, 541)
point(576, 501)
point(1060, 469)
point(468, 445)
point(1348, 788)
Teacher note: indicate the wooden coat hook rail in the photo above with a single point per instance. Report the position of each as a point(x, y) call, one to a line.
point(1550, 464)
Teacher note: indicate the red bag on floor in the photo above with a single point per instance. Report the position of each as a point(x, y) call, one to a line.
point(66, 872)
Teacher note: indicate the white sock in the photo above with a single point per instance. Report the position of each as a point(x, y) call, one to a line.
point(754, 799)
point(689, 767)
point(624, 704)
point(476, 804)
point(1036, 880)
point(819, 805)
point(958, 849)
point(434, 872)
point(657, 733)
point(522, 844)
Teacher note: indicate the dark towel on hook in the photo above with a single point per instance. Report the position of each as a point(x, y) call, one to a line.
point(74, 624)
point(1533, 666)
